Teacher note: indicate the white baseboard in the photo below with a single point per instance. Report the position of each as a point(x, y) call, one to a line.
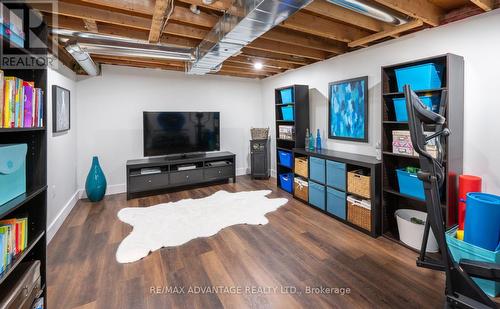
point(110, 190)
point(242, 171)
point(273, 173)
point(61, 216)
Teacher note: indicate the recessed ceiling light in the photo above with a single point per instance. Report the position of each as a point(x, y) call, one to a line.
point(258, 65)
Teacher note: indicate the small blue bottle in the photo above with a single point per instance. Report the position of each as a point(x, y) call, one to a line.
point(318, 141)
point(311, 142)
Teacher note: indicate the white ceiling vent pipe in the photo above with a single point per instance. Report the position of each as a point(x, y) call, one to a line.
point(243, 23)
point(371, 10)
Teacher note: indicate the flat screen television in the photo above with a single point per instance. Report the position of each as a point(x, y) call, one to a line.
point(168, 133)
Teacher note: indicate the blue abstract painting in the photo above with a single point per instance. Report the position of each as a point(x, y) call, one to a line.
point(348, 110)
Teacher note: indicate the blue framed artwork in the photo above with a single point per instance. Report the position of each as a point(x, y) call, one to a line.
point(348, 109)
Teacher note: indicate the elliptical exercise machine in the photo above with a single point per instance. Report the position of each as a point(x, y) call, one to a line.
point(460, 291)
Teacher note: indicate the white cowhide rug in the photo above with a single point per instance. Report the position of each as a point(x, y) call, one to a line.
point(173, 224)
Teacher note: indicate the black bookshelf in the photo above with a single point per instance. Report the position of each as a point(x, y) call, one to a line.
point(392, 199)
point(300, 122)
point(33, 203)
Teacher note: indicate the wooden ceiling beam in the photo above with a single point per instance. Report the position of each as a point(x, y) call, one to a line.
point(159, 19)
point(419, 9)
point(485, 5)
point(284, 35)
point(274, 56)
point(90, 25)
point(219, 5)
point(287, 49)
point(325, 8)
point(266, 62)
point(135, 6)
point(377, 36)
point(315, 25)
point(250, 67)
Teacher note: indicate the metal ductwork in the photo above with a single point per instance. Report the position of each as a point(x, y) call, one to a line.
point(83, 59)
point(371, 10)
point(81, 44)
point(243, 23)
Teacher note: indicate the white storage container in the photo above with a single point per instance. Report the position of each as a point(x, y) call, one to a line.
point(412, 233)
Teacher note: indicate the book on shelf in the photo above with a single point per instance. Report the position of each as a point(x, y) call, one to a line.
point(21, 105)
point(13, 239)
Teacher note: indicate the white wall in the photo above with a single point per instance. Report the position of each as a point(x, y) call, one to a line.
point(477, 39)
point(110, 114)
point(61, 163)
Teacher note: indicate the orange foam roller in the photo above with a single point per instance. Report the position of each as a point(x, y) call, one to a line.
point(466, 184)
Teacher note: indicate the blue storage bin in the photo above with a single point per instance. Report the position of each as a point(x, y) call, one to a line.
point(335, 174)
point(317, 195)
point(410, 185)
point(286, 181)
point(287, 112)
point(286, 95)
point(400, 106)
point(461, 250)
point(482, 220)
point(285, 158)
point(12, 171)
point(420, 77)
point(317, 169)
point(336, 202)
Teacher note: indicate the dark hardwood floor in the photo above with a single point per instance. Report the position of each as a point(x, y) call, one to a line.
point(299, 249)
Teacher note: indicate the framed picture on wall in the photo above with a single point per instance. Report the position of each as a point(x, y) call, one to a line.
point(60, 109)
point(348, 109)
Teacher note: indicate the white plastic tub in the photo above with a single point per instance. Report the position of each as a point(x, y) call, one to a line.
point(412, 233)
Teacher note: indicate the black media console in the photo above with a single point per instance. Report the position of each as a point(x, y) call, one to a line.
point(151, 175)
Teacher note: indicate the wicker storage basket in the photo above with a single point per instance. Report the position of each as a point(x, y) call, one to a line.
point(301, 189)
point(358, 213)
point(301, 167)
point(359, 184)
point(259, 133)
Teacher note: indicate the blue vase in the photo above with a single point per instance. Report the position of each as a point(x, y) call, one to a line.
point(318, 141)
point(95, 186)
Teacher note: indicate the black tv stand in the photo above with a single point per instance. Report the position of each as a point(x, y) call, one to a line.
point(151, 176)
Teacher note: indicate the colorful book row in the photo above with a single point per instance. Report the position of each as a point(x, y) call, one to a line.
point(21, 103)
point(13, 239)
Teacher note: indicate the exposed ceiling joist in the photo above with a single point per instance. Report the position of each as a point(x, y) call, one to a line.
point(323, 27)
point(485, 5)
point(280, 34)
point(160, 17)
point(380, 35)
point(323, 7)
point(287, 49)
point(266, 62)
point(142, 7)
point(90, 25)
point(418, 9)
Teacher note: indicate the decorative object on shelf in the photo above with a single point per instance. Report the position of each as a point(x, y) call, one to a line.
point(318, 141)
point(348, 109)
point(259, 133)
point(286, 132)
point(164, 225)
point(378, 150)
point(60, 109)
point(12, 171)
point(311, 142)
point(95, 186)
point(308, 136)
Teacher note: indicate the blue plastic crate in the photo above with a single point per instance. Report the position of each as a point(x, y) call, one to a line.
point(409, 184)
point(287, 112)
point(286, 181)
point(285, 158)
point(286, 95)
point(420, 77)
point(12, 171)
point(400, 106)
point(462, 250)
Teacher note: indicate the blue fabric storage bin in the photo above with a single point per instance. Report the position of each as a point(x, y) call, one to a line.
point(419, 77)
point(336, 202)
point(286, 95)
point(285, 158)
point(12, 171)
point(317, 195)
point(335, 174)
point(400, 106)
point(286, 181)
point(317, 169)
point(410, 185)
point(461, 250)
point(287, 112)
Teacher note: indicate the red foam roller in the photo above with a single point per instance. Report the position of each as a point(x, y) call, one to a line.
point(466, 184)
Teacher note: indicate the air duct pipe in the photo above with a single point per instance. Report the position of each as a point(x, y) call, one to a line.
point(371, 10)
